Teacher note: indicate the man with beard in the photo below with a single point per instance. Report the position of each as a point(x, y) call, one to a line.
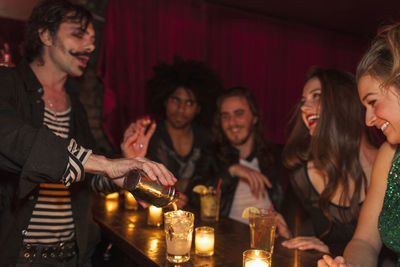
point(45, 154)
point(187, 90)
point(248, 166)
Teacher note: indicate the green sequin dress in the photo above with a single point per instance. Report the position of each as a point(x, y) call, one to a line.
point(389, 219)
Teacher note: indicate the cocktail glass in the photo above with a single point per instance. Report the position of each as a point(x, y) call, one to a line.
point(209, 205)
point(178, 226)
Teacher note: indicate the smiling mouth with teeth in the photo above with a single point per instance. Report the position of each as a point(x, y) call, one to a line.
point(235, 129)
point(384, 126)
point(312, 119)
point(83, 60)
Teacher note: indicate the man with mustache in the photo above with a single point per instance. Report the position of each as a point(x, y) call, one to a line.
point(45, 155)
point(248, 166)
point(187, 90)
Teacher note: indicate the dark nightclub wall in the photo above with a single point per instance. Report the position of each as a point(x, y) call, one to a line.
point(267, 55)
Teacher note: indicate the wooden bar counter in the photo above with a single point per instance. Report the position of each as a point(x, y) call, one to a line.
point(145, 245)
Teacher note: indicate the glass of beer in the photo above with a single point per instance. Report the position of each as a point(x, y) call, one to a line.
point(262, 229)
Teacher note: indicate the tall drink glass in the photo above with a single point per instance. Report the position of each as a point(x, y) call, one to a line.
point(178, 226)
point(262, 229)
point(209, 205)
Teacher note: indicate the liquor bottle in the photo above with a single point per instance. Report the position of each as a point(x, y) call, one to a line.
point(138, 183)
point(7, 56)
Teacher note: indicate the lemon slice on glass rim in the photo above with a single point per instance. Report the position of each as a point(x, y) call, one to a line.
point(246, 211)
point(200, 189)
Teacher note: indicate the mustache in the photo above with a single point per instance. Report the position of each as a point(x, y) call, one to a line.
point(80, 53)
point(179, 115)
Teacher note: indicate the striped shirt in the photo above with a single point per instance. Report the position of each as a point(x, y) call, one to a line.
point(52, 221)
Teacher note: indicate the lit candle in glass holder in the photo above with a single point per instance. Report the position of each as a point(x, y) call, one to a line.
point(155, 216)
point(204, 241)
point(256, 258)
point(130, 202)
point(111, 202)
point(112, 196)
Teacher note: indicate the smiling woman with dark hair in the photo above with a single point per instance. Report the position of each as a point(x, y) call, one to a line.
point(331, 158)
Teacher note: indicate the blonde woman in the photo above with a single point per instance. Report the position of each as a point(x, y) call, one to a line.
point(378, 76)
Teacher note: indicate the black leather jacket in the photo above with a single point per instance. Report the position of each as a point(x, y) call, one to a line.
point(213, 166)
point(30, 154)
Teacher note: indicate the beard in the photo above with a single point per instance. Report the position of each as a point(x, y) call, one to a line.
point(179, 124)
point(239, 142)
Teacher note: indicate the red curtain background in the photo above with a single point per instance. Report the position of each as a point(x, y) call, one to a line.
point(266, 55)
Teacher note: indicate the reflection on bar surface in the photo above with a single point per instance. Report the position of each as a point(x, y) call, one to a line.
point(144, 245)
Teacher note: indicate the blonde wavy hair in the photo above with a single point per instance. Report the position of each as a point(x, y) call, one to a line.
point(382, 61)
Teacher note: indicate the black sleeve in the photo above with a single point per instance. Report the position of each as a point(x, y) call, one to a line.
point(35, 153)
point(209, 170)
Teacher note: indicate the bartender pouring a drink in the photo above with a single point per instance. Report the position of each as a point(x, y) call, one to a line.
point(46, 153)
point(48, 166)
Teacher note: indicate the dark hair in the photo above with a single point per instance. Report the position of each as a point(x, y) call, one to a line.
point(221, 141)
point(382, 60)
point(48, 15)
point(335, 145)
point(190, 74)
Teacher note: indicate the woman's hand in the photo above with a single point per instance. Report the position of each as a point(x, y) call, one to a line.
point(257, 181)
point(283, 229)
point(306, 243)
point(135, 140)
point(328, 261)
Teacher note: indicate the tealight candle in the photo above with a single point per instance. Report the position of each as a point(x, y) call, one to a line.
point(256, 263)
point(154, 216)
point(204, 241)
point(256, 258)
point(111, 202)
point(130, 201)
point(112, 196)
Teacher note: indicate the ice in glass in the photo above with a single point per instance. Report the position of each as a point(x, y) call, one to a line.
point(178, 226)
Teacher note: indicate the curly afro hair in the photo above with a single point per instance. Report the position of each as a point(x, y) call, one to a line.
point(192, 75)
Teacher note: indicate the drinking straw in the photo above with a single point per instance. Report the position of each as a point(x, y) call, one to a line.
point(270, 208)
point(218, 186)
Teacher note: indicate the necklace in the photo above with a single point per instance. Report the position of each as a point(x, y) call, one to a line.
point(49, 103)
point(56, 101)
